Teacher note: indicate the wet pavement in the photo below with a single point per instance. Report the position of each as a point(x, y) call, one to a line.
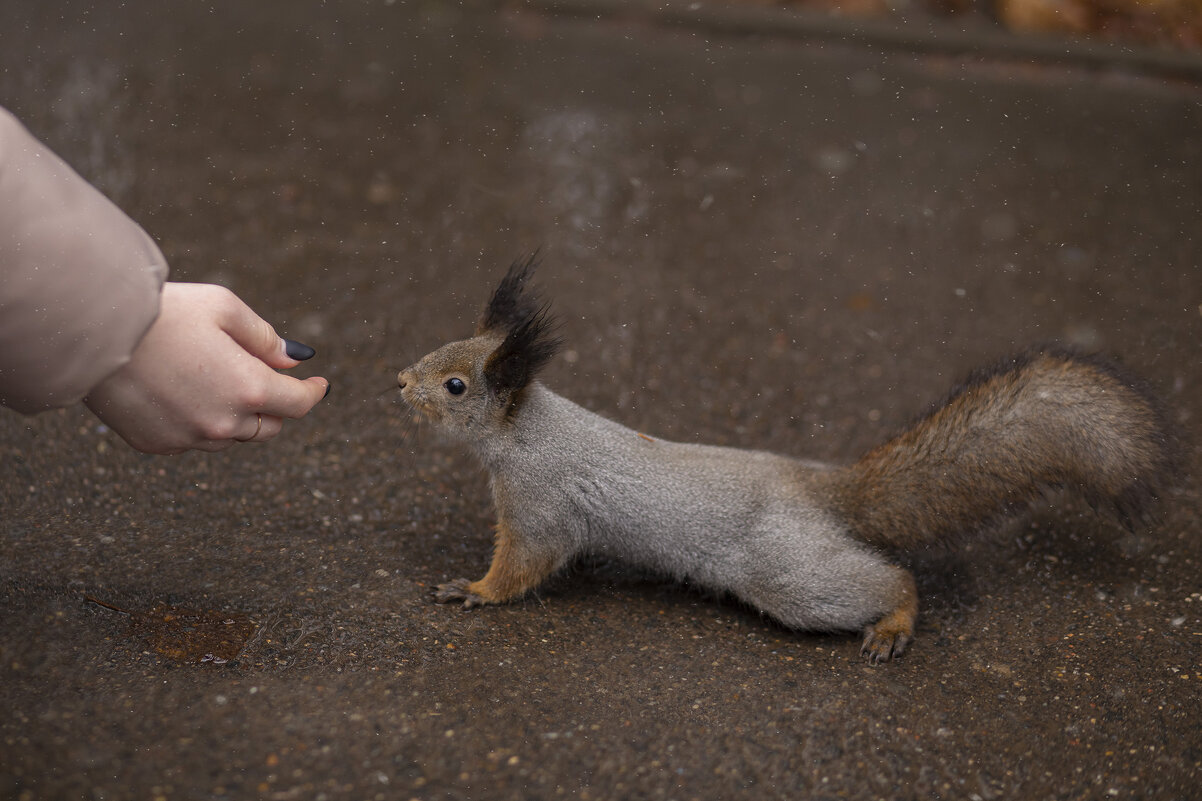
point(779, 242)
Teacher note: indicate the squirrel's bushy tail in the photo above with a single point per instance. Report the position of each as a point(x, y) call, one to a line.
point(1046, 419)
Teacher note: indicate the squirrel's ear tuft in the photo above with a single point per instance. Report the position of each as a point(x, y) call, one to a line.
point(527, 325)
point(527, 347)
point(513, 303)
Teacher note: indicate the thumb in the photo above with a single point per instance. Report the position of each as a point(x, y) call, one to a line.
point(260, 339)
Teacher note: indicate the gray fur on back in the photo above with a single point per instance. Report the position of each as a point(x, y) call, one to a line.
point(726, 519)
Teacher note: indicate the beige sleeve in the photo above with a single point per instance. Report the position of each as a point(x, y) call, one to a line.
point(79, 280)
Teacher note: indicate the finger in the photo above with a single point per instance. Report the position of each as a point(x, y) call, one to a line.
point(272, 426)
point(288, 353)
point(290, 397)
point(209, 445)
point(298, 350)
point(259, 338)
point(267, 427)
point(258, 423)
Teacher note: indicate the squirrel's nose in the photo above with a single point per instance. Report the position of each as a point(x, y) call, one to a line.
point(403, 378)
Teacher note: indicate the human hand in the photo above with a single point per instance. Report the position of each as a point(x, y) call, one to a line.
point(204, 377)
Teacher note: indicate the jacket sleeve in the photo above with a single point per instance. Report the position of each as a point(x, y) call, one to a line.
point(79, 280)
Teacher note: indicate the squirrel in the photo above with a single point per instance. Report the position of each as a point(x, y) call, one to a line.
point(804, 542)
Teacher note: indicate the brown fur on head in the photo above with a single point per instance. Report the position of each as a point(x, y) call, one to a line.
point(479, 381)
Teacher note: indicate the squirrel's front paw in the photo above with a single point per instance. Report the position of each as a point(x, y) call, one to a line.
point(457, 590)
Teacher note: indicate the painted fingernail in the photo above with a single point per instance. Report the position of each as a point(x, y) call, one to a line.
point(328, 385)
point(298, 350)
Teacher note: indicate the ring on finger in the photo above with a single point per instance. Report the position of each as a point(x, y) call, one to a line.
point(258, 428)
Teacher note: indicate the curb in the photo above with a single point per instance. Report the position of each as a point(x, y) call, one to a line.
point(930, 36)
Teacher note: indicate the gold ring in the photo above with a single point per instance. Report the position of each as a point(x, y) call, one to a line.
point(258, 428)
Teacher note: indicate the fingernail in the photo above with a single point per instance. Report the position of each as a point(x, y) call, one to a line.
point(298, 350)
point(328, 385)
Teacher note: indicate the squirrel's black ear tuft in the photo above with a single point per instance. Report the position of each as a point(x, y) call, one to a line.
point(526, 349)
point(528, 326)
point(513, 303)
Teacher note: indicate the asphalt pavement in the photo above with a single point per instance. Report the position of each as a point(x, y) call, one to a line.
point(779, 239)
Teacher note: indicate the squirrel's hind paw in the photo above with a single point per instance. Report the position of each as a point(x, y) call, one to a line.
point(881, 648)
point(884, 640)
point(457, 590)
point(889, 636)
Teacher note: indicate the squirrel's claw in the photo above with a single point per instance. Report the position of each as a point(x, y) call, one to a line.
point(457, 590)
point(881, 645)
point(889, 636)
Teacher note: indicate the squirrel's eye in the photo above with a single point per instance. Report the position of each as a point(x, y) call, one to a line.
point(455, 386)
